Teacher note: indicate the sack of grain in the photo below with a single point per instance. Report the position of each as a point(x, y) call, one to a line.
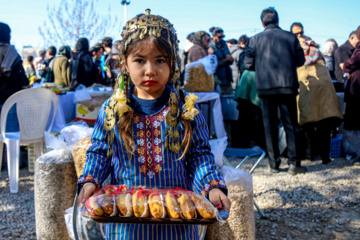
point(55, 187)
point(78, 151)
point(241, 221)
point(199, 75)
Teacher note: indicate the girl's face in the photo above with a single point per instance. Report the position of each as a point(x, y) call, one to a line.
point(148, 70)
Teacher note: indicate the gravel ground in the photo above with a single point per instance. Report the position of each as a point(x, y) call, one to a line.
point(321, 204)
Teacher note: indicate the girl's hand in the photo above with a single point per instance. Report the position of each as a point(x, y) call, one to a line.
point(219, 199)
point(87, 190)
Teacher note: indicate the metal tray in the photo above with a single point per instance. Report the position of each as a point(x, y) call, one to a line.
point(172, 221)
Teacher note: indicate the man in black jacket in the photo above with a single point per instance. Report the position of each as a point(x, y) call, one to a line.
point(276, 54)
point(343, 53)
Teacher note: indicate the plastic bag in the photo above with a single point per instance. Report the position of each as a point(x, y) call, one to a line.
point(54, 191)
point(241, 221)
point(82, 94)
point(69, 222)
point(93, 96)
point(210, 63)
point(199, 75)
point(148, 203)
point(75, 132)
point(218, 147)
point(351, 142)
point(54, 142)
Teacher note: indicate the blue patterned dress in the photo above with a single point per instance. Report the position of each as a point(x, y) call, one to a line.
point(152, 166)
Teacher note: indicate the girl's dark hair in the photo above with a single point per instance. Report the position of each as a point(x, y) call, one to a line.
point(160, 43)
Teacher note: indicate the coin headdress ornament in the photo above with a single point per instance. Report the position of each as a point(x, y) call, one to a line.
point(139, 27)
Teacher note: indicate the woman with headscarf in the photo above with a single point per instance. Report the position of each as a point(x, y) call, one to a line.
point(61, 67)
point(201, 43)
point(352, 91)
point(318, 105)
point(82, 67)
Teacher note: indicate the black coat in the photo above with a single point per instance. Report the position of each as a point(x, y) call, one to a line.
point(13, 83)
point(276, 54)
point(82, 67)
point(341, 55)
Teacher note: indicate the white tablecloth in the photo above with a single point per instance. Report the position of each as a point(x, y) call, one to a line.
point(217, 113)
point(65, 112)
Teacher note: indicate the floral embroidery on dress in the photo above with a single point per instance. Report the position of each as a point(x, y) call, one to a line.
point(84, 179)
point(149, 143)
point(210, 185)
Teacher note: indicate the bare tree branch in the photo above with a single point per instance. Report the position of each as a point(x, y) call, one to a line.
point(73, 19)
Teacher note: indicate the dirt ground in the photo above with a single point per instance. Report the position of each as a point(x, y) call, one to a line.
point(321, 204)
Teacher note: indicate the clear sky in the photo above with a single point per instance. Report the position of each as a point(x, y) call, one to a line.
point(322, 19)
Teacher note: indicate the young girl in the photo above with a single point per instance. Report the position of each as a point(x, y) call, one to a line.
point(151, 134)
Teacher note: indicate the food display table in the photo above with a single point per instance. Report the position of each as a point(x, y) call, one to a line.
point(65, 112)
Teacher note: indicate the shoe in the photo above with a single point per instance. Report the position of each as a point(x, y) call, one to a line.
point(356, 162)
point(273, 170)
point(326, 161)
point(293, 170)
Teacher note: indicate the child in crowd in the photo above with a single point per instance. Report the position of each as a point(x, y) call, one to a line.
point(150, 134)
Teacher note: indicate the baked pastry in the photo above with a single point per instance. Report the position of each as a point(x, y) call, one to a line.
point(106, 201)
point(172, 206)
point(203, 207)
point(140, 205)
point(156, 205)
point(93, 207)
point(124, 204)
point(187, 206)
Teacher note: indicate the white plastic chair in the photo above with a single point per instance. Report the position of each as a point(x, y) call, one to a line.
point(33, 108)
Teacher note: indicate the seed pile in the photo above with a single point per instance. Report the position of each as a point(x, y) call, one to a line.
point(198, 80)
point(55, 188)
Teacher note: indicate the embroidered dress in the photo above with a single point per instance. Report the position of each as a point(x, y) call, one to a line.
point(152, 166)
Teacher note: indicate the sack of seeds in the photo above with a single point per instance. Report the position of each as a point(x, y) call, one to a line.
point(54, 189)
point(199, 75)
point(78, 151)
point(241, 221)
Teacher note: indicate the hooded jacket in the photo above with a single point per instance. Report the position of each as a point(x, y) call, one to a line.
point(83, 69)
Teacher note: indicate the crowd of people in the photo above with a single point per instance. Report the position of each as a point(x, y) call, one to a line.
point(282, 78)
point(84, 65)
point(279, 78)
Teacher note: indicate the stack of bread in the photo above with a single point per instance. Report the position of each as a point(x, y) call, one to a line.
point(120, 201)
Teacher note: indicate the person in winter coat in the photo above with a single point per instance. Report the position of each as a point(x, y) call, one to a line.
point(318, 106)
point(83, 69)
point(201, 42)
point(29, 66)
point(235, 51)
point(343, 53)
point(113, 64)
point(12, 75)
point(219, 48)
point(328, 50)
point(276, 54)
point(61, 67)
point(352, 91)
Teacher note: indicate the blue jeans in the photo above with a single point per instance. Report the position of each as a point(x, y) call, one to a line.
point(12, 123)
